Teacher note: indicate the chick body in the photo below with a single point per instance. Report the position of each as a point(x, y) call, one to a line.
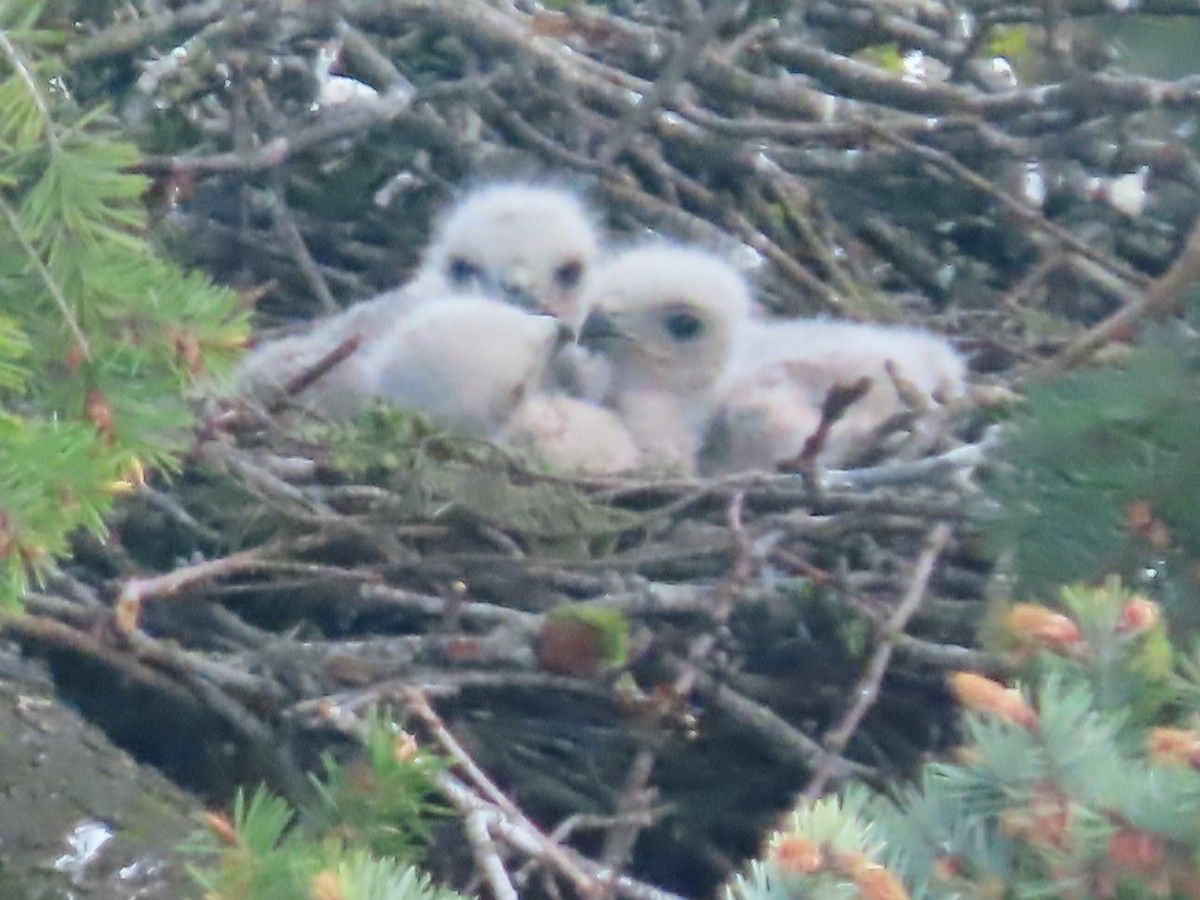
point(781, 372)
point(528, 244)
point(666, 318)
point(466, 362)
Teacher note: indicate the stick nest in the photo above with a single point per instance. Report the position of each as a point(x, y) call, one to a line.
point(778, 633)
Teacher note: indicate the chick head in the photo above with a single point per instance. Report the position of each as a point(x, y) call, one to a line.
point(529, 244)
point(665, 315)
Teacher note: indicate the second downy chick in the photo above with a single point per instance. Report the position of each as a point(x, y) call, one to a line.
point(466, 362)
point(666, 318)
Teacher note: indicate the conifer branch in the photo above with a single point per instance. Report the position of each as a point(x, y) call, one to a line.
point(48, 279)
point(17, 60)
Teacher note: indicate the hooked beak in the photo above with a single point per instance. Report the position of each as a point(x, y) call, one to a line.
point(516, 285)
point(599, 330)
point(521, 297)
point(509, 290)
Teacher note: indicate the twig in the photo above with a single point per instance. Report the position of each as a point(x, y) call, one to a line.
point(635, 797)
point(866, 692)
point(625, 193)
point(698, 31)
point(170, 584)
point(419, 705)
point(510, 823)
point(51, 632)
point(166, 503)
point(632, 813)
point(954, 464)
point(950, 656)
point(379, 69)
point(479, 823)
point(862, 81)
point(293, 240)
point(587, 877)
point(355, 120)
point(1024, 211)
point(781, 739)
point(1158, 299)
point(796, 200)
point(126, 36)
point(476, 612)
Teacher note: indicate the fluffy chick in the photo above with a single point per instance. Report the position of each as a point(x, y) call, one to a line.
point(571, 436)
point(267, 373)
point(531, 244)
point(527, 243)
point(666, 318)
point(466, 362)
point(781, 373)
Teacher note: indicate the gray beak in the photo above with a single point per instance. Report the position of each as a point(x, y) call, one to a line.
point(518, 296)
point(500, 289)
point(599, 330)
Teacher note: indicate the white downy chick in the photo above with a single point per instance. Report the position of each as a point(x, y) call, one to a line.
point(529, 244)
point(267, 373)
point(782, 371)
point(666, 318)
point(526, 243)
point(466, 362)
point(571, 436)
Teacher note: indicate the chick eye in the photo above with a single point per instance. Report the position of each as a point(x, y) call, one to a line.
point(462, 270)
point(684, 326)
point(568, 274)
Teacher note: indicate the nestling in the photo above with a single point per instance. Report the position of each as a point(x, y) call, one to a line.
point(666, 318)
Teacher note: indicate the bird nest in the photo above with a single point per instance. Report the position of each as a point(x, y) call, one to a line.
point(778, 630)
point(776, 633)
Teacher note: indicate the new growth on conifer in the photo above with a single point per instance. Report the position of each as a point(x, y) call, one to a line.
point(100, 338)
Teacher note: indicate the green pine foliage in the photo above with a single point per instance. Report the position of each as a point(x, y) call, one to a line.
point(1083, 783)
point(100, 340)
point(1098, 474)
point(359, 842)
point(363, 877)
point(385, 805)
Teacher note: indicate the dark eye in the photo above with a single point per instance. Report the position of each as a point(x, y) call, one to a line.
point(462, 270)
point(684, 326)
point(568, 274)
